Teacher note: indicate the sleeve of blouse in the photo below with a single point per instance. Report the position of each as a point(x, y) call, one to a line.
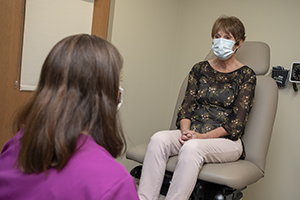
point(242, 107)
point(188, 105)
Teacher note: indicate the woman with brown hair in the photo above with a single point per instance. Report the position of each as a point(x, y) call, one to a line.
point(210, 121)
point(69, 133)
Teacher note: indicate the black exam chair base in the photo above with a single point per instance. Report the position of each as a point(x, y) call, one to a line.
point(202, 191)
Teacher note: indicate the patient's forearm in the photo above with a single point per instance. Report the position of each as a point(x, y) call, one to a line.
point(216, 133)
point(185, 125)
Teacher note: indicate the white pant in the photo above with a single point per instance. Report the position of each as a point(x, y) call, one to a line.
point(191, 157)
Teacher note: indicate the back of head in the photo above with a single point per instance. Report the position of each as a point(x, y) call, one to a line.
point(77, 92)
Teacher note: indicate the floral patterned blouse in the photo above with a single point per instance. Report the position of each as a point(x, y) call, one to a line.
point(215, 99)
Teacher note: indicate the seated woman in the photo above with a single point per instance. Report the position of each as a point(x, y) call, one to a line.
point(69, 133)
point(211, 119)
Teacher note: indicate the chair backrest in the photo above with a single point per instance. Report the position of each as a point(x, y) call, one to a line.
point(260, 124)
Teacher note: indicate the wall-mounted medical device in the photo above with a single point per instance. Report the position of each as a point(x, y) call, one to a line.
point(280, 75)
point(295, 75)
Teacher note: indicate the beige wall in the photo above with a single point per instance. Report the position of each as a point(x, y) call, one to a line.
point(145, 32)
point(161, 40)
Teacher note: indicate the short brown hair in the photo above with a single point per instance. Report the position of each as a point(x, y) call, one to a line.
point(77, 91)
point(230, 25)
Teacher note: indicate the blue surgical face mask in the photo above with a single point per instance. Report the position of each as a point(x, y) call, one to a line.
point(222, 48)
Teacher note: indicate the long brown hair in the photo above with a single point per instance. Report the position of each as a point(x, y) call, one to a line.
point(77, 91)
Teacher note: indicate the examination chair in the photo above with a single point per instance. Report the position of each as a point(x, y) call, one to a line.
point(227, 180)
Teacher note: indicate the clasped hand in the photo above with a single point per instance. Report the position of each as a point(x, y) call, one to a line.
point(187, 135)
